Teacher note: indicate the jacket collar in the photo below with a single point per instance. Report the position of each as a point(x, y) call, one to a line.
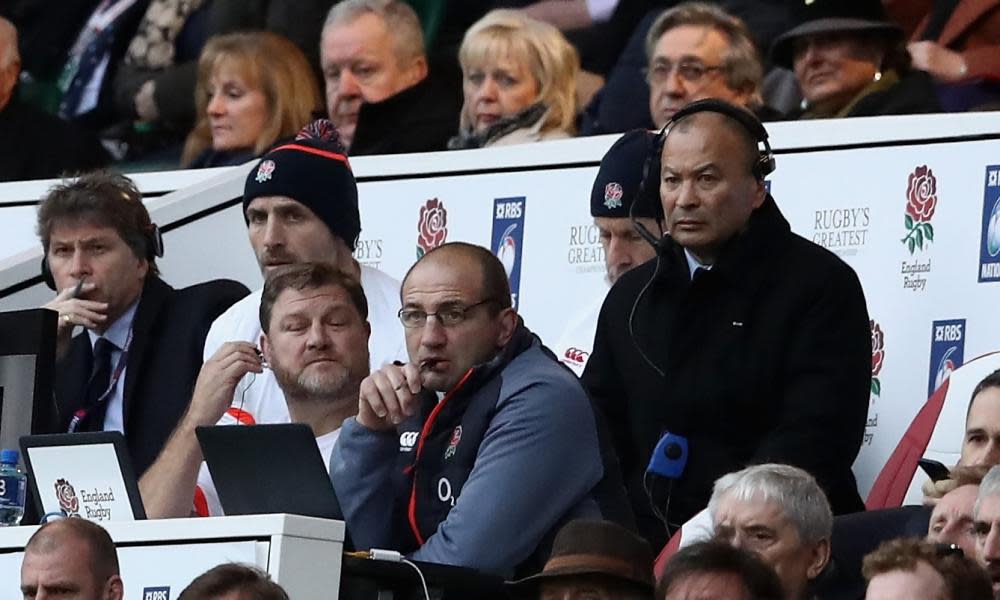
point(521, 340)
point(766, 229)
point(152, 300)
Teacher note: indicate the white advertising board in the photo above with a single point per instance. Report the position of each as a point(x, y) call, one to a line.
point(844, 184)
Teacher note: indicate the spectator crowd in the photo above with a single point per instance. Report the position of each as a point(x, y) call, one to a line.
point(701, 446)
point(163, 84)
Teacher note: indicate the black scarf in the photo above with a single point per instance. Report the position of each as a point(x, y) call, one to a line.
point(506, 125)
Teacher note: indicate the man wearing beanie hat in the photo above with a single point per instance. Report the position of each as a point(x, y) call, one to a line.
point(301, 205)
point(617, 199)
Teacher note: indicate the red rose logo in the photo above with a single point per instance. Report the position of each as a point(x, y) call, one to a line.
point(921, 200)
point(878, 355)
point(66, 495)
point(921, 194)
point(878, 345)
point(432, 229)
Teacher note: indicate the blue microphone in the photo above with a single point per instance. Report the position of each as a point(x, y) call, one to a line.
point(670, 456)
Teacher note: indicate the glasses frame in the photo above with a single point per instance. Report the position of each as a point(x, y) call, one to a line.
point(463, 312)
point(680, 68)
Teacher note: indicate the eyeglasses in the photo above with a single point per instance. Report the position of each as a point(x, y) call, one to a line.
point(448, 315)
point(691, 71)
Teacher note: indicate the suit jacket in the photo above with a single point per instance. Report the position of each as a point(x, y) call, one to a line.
point(169, 330)
point(973, 29)
point(765, 358)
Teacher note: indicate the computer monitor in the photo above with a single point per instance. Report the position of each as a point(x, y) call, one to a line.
point(27, 367)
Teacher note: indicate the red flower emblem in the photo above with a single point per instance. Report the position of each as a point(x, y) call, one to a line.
point(878, 356)
point(921, 194)
point(432, 228)
point(921, 200)
point(66, 495)
point(878, 347)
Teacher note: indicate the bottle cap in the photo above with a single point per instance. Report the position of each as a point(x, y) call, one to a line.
point(8, 456)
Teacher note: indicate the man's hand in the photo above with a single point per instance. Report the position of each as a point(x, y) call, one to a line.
point(217, 381)
point(145, 103)
point(74, 311)
point(935, 490)
point(944, 64)
point(388, 396)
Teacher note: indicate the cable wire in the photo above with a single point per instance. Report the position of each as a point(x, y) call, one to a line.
point(423, 582)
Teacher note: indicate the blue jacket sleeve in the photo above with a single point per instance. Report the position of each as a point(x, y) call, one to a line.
point(361, 468)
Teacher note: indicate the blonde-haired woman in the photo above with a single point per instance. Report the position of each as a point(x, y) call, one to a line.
point(253, 89)
point(519, 80)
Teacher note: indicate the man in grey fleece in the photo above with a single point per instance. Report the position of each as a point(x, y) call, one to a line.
point(478, 449)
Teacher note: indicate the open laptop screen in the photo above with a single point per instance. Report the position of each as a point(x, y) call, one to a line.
point(83, 474)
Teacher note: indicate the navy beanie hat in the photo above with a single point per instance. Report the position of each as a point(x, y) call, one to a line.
point(619, 179)
point(313, 170)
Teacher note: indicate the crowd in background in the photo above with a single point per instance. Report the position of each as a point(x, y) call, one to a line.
point(162, 84)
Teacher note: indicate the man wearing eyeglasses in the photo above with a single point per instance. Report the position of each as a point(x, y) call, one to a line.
point(477, 449)
point(699, 51)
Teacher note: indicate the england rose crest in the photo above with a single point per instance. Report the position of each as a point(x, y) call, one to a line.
point(432, 228)
point(66, 495)
point(456, 437)
point(921, 200)
point(613, 193)
point(878, 355)
point(264, 171)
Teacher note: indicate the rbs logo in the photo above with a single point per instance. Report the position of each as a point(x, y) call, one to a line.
point(156, 593)
point(948, 333)
point(947, 351)
point(508, 210)
point(508, 239)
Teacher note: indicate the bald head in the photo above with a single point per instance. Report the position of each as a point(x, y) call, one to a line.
point(10, 61)
point(456, 311)
point(55, 534)
point(465, 257)
point(74, 557)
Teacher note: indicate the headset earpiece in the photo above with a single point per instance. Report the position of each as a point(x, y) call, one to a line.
point(765, 163)
point(650, 178)
point(155, 242)
point(47, 277)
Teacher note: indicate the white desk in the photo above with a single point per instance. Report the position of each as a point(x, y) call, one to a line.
point(302, 554)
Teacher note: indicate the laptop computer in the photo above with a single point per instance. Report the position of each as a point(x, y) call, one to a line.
point(262, 469)
point(83, 474)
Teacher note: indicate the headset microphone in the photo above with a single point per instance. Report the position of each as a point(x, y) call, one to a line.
point(665, 466)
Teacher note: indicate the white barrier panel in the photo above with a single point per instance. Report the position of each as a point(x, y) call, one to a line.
point(911, 214)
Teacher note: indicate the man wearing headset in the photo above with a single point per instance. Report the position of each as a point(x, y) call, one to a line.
point(745, 341)
point(133, 366)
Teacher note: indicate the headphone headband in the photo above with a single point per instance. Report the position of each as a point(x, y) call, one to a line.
point(765, 164)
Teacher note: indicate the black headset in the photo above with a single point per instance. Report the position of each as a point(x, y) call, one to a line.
point(154, 249)
point(762, 167)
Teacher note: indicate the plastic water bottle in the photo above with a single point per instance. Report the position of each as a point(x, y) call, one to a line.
point(13, 485)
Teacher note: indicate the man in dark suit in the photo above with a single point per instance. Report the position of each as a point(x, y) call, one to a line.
point(747, 341)
point(133, 367)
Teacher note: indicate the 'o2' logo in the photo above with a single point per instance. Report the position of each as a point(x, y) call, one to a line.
point(444, 491)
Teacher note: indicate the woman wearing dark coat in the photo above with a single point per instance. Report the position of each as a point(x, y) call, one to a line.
point(851, 61)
